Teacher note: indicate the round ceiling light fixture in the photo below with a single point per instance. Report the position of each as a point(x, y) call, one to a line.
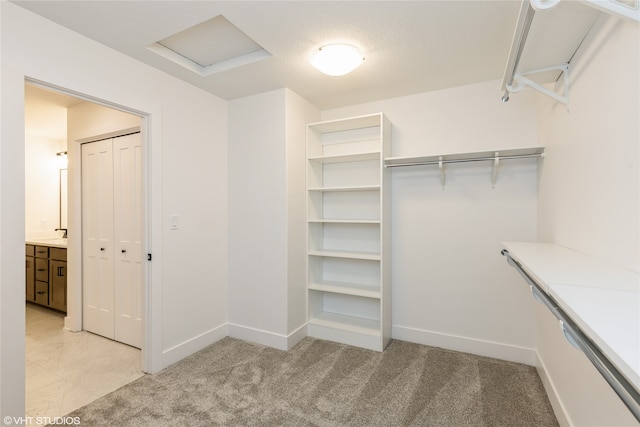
point(337, 59)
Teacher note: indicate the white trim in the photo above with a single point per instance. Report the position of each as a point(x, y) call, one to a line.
point(296, 336)
point(208, 70)
point(511, 353)
point(270, 339)
point(150, 129)
point(193, 345)
point(554, 397)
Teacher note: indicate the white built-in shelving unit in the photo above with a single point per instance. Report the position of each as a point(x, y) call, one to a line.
point(348, 231)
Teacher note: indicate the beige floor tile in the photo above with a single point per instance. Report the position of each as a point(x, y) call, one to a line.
point(67, 370)
point(57, 398)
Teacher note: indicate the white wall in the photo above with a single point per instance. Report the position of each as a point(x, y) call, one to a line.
point(187, 174)
point(450, 286)
point(299, 112)
point(45, 135)
point(257, 218)
point(267, 297)
point(590, 200)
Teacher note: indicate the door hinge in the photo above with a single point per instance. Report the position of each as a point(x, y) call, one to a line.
point(148, 257)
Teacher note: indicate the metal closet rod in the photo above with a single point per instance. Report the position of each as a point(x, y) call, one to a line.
point(627, 392)
point(473, 159)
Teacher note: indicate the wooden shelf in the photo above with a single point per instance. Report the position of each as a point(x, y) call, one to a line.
point(353, 188)
point(347, 233)
point(354, 289)
point(356, 157)
point(347, 323)
point(351, 255)
point(340, 125)
point(345, 221)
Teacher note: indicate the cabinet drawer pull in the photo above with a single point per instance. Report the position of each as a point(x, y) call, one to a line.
point(102, 249)
point(42, 269)
point(60, 271)
point(124, 251)
point(41, 292)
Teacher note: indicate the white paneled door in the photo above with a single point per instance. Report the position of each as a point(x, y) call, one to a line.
point(97, 237)
point(112, 238)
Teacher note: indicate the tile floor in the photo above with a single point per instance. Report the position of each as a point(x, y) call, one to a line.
point(67, 370)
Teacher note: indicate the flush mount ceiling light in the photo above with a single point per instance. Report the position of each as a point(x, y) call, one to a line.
point(337, 59)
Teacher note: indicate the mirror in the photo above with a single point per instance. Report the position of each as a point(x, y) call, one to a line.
point(63, 198)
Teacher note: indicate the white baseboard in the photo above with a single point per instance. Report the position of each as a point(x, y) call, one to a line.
point(297, 335)
point(270, 339)
point(195, 344)
point(552, 393)
point(496, 350)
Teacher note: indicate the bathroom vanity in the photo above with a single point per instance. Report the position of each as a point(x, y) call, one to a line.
point(46, 273)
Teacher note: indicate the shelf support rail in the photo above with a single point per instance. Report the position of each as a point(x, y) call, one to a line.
point(574, 335)
point(517, 46)
point(496, 158)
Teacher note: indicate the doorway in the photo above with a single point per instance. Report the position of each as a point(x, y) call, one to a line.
point(73, 319)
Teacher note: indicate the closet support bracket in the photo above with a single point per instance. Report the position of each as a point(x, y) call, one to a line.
point(520, 81)
point(494, 174)
point(441, 167)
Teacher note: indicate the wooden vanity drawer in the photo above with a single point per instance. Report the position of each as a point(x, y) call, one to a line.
point(59, 254)
point(42, 292)
point(42, 252)
point(30, 250)
point(42, 269)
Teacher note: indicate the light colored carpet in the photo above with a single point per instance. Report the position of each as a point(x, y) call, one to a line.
point(320, 383)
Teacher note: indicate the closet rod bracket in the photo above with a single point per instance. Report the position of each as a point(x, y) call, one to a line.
point(520, 81)
point(494, 174)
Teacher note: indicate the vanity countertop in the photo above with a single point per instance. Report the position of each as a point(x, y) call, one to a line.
point(55, 242)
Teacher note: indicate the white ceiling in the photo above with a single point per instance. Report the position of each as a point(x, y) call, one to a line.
point(45, 113)
point(409, 46)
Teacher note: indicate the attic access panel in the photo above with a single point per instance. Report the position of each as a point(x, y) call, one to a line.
point(210, 47)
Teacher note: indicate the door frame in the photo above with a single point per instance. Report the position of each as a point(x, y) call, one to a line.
point(151, 358)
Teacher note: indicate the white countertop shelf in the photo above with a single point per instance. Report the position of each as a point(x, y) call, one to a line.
point(551, 263)
point(602, 299)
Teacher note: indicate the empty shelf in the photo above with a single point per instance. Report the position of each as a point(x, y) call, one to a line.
point(354, 289)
